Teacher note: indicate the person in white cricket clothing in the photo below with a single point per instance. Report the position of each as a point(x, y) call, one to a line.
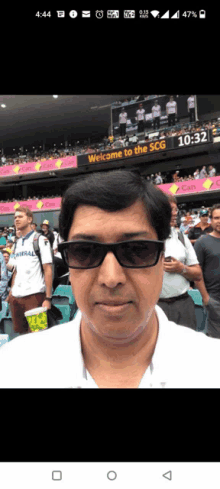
point(114, 225)
point(123, 122)
point(156, 114)
point(171, 111)
point(29, 288)
point(191, 107)
point(140, 114)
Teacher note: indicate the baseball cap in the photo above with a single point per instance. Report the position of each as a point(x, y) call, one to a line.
point(45, 222)
point(204, 212)
point(7, 250)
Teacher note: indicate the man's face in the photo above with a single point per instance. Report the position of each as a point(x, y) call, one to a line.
point(174, 212)
point(110, 281)
point(44, 228)
point(215, 220)
point(22, 220)
point(6, 257)
point(204, 219)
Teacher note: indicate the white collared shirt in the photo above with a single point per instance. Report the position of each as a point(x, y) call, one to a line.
point(29, 279)
point(175, 284)
point(53, 358)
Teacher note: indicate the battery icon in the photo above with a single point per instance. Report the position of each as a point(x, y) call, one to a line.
point(202, 14)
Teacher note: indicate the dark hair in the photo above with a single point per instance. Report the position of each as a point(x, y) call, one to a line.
point(216, 206)
point(113, 191)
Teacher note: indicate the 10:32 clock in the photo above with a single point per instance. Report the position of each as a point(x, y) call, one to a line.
point(193, 138)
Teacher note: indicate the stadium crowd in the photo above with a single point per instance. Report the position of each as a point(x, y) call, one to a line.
point(112, 142)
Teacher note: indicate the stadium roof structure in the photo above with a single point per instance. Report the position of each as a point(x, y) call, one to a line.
point(28, 119)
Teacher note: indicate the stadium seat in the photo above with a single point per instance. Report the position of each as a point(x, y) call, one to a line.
point(65, 311)
point(199, 310)
point(63, 295)
point(3, 339)
point(4, 310)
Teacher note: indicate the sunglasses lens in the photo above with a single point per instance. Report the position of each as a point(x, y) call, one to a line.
point(131, 254)
point(138, 254)
point(83, 255)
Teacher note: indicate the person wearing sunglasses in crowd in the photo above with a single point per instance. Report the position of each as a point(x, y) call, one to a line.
point(114, 225)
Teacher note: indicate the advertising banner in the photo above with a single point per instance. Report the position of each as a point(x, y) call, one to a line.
point(34, 205)
point(39, 166)
point(191, 186)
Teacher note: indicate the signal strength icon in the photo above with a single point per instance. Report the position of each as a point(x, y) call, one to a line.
point(176, 15)
point(166, 15)
point(155, 13)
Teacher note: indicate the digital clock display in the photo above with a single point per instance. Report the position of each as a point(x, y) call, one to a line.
point(195, 138)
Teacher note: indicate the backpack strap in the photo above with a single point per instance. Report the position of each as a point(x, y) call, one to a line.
point(181, 238)
point(37, 249)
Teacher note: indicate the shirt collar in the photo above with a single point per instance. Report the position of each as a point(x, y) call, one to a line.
point(27, 236)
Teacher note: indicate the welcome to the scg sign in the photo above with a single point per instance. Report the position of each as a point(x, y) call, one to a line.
point(118, 154)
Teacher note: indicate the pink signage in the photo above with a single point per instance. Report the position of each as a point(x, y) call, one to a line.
point(191, 186)
point(38, 166)
point(34, 205)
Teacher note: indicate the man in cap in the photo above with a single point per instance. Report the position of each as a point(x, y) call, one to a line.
point(207, 250)
point(202, 227)
point(46, 231)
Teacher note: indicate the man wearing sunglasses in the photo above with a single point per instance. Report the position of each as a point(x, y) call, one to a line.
point(114, 225)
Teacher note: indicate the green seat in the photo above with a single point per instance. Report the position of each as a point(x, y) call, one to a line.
point(65, 311)
point(65, 292)
point(199, 310)
point(196, 296)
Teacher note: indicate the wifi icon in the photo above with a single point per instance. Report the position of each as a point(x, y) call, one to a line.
point(155, 13)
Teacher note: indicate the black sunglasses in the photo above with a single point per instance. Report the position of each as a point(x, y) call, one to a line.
point(130, 254)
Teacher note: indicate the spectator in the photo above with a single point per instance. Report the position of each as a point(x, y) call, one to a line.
point(156, 114)
point(196, 174)
point(111, 139)
point(191, 107)
point(46, 231)
point(30, 287)
point(3, 280)
point(207, 250)
point(203, 173)
point(158, 179)
point(201, 228)
point(212, 171)
point(180, 267)
point(171, 111)
point(6, 254)
point(184, 228)
point(140, 113)
point(123, 122)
